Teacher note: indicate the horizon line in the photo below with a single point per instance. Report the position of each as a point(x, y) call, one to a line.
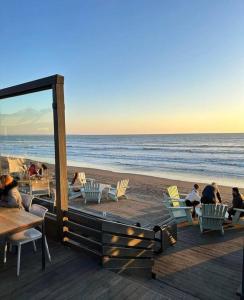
point(124, 134)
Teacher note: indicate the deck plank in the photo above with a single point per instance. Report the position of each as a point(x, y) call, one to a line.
point(205, 266)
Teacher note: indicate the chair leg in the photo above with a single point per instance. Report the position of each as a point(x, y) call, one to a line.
point(34, 246)
point(5, 252)
point(18, 260)
point(47, 249)
point(222, 230)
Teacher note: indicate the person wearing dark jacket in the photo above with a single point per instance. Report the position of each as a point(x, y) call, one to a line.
point(208, 195)
point(237, 202)
point(211, 194)
point(9, 193)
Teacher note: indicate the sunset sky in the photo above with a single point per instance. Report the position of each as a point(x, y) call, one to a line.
point(129, 66)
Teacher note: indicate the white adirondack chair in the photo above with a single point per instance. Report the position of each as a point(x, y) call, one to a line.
point(237, 219)
point(212, 217)
point(178, 210)
point(119, 191)
point(92, 191)
point(16, 167)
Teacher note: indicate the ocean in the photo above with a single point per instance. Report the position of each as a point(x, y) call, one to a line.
point(188, 157)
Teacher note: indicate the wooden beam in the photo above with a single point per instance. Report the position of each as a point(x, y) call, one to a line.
point(60, 154)
point(31, 86)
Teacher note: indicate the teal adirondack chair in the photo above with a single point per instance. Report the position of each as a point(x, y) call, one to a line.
point(177, 209)
point(238, 218)
point(212, 217)
point(92, 191)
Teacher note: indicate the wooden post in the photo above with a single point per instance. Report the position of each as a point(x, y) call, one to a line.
point(60, 152)
point(242, 281)
point(56, 83)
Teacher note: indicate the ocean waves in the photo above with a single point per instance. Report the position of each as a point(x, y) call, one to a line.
point(219, 156)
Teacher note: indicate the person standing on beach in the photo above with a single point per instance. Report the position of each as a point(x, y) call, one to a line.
point(193, 199)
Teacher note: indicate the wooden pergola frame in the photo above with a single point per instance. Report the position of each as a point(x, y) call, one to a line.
point(56, 84)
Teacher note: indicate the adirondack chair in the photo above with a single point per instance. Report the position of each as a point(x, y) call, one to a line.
point(175, 196)
point(80, 181)
point(212, 217)
point(119, 191)
point(238, 218)
point(16, 167)
point(92, 191)
point(177, 211)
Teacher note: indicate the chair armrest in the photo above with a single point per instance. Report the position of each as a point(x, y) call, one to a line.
point(177, 200)
point(239, 209)
point(180, 207)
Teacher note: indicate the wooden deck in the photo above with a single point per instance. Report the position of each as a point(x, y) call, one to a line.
point(198, 267)
point(71, 275)
point(204, 266)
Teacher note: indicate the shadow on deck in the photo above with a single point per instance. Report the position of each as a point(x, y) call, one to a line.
point(199, 266)
point(204, 266)
point(71, 275)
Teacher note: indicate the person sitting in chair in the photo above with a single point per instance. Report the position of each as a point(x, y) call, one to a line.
point(237, 202)
point(32, 171)
point(9, 193)
point(193, 198)
point(211, 194)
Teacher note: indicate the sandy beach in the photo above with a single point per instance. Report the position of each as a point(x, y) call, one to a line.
point(144, 195)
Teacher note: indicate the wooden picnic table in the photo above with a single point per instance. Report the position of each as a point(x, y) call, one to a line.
point(14, 220)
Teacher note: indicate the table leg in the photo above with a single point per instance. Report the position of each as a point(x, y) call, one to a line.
point(43, 246)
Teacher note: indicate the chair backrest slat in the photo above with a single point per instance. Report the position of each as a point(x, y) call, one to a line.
point(122, 185)
point(92, 191)
point(81, 178)
point(26, 201)
point(38, 210)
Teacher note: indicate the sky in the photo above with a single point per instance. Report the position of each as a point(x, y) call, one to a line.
point(131, 66)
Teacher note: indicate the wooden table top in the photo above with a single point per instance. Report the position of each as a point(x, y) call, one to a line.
point(14, 220)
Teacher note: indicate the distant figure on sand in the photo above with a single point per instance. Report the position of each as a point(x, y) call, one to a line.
point(32, 171)
point(211, 194)
point(193, 198)
point(9, 193)
point(75, 178)
point(43, 171)
point(237, 202)
point(75, 182)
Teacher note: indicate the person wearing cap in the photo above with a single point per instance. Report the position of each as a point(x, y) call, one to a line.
point(9, 193)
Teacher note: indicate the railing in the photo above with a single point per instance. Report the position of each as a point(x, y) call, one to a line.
point(116, 243)
point(118, 246)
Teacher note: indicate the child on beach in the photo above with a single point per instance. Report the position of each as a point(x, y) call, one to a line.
point(193, 198)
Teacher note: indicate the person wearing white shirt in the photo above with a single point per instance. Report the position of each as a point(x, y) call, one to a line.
point(193, 198)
